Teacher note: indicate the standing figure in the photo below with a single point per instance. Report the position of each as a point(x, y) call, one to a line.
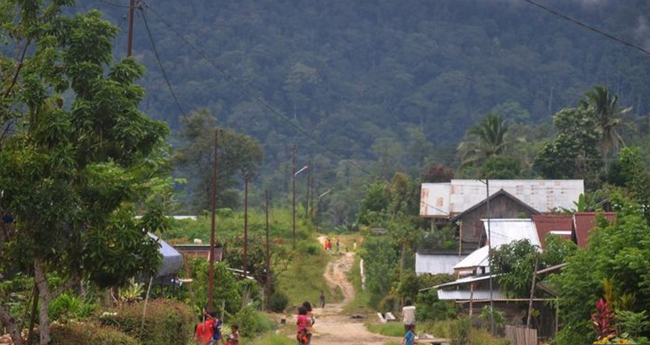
point(234, 335)
point(321, 299)
point(303, 328)
point(337, 245)
point(408, 315)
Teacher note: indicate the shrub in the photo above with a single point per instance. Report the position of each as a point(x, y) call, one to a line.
point(278, 302)
point(429, 307)
point(67, 307)
point(460, 331)
point(166, 322)
point(88, 334)
point(252, 323)
point(389, 303)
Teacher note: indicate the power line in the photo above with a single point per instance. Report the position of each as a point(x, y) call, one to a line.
point(162, 69)
point(588, 27)
point(251, 94)
point(113, 3)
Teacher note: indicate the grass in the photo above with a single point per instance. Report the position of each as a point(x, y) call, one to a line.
point(391, 329)
point(361, 302)
point(303, 280)
point(271, 339)
point(443, 329)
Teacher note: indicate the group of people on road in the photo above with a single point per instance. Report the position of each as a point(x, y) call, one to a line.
point(209, 331)
point(328, 244)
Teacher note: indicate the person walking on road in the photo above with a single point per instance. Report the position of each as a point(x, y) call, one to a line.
point(321, 299)
point(408, 316)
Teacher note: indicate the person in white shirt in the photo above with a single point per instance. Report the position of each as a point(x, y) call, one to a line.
point(408, 315)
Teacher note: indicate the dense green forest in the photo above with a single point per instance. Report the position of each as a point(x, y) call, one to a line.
point(392, 85)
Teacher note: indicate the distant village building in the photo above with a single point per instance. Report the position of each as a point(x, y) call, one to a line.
point(560, 225)
point(463, 205)
point(502, 205)
point(583, 222)
point(446, 200)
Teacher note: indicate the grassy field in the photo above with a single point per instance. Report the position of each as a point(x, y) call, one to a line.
point(360, 303)
point(304, 279)
point(391, 329)
point(270, 339)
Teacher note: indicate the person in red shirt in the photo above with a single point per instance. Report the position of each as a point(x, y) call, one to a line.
point(303, 327)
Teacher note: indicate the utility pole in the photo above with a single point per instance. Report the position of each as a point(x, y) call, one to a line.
point(129, 43)
point(293, 203)
point(487, 192)
point(532, 290)
point(213, 227)
point(308, 188)
point(268, 253)
point(245, 260)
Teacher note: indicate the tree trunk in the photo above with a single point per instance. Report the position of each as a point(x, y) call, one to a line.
point(402, 258)
point(44, 298)
point(12, 326)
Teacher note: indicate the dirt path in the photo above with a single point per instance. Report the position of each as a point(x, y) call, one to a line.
point(333, 327)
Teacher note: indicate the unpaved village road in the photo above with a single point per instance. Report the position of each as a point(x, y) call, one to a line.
point(332, 326)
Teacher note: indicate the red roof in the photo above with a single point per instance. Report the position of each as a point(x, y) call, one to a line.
point(583, 222)
point(557, 224)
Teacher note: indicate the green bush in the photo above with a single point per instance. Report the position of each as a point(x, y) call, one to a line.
point(460, 331)
point(166, 322)
point(252, 323)
point(429, 307)
point(278, 302)
point(88, 334)
point(67, 307)
point(390, 303)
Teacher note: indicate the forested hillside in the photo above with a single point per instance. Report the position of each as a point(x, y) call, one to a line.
point(381, 81)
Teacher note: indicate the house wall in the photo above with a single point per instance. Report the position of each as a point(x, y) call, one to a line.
point(501, 206)
point(436, 263)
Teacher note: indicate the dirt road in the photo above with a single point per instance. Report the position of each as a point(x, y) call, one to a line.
point(332, 325)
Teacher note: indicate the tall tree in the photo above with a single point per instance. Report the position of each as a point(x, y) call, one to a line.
point(609, 117)
point(486, 139)
point(239, 155)
point(574, 151)
point(78, 171)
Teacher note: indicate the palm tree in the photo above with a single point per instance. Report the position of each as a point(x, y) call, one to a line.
point(609, 116)
point(484, 140)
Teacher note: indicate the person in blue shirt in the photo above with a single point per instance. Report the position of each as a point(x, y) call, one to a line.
point(409, 337)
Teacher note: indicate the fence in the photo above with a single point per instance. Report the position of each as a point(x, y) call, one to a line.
point(521, 335)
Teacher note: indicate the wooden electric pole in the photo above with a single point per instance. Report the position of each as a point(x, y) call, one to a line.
point(245, 259)
point(308, 189)
point(293, 203)
point(268, 253)
point(129, 42)
point(213, 227)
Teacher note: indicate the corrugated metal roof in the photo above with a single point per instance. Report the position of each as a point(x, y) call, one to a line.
point(436, 264)
point(465, 295)
point(172, 259)
point(445, 200)
point(546, 224)
point(504, 231)
point(583, 222)
point(466, 280)
point(478, 258)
